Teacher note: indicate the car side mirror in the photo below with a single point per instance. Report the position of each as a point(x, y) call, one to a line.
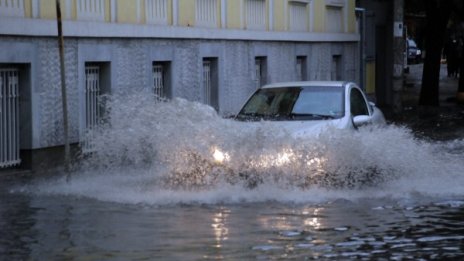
point(361, 120)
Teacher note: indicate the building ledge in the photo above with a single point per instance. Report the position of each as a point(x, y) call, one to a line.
point(38, 27)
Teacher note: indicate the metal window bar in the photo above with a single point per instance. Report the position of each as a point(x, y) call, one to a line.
point(12, 8)
point(256, 14)
point(158, 81)
point(298, 16)
point(93, 10)
point(207, 81)
point(334, 19)
point(335, 72)
point(156, 11)
point(258, 72)
point(206, 13)
point(299, 69)
point(9, 118)
point(92, 106)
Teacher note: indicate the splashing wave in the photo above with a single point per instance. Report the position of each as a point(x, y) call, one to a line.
point(181, 151)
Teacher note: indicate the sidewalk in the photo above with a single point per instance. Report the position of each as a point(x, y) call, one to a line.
point(438, 123)
point(413, 82)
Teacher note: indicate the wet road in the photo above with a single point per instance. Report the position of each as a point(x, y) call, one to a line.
point(116, 207)
point(69, 228)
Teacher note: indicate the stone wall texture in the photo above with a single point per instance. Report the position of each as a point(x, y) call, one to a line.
point(130, 62)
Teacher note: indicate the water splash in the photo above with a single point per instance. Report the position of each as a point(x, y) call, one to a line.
point(181, 151)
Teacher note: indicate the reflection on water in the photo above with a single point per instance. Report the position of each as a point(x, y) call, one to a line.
point(63, 228)
point(219, 225)
point(157, 189)
point(16, 225)
point(313, 220)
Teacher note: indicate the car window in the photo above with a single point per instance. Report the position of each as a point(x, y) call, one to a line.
point(271, 102)
point(294, 103)
point(358, 103)
point(321, 102)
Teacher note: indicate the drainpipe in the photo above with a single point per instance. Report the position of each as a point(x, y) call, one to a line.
point(361, 15)
point(398, 55)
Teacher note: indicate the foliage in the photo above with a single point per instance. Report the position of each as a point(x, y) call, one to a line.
point(440, 15)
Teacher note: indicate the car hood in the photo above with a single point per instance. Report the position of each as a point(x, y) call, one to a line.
point(307, 128)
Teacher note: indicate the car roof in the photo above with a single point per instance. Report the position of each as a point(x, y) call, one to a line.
point(338, 84)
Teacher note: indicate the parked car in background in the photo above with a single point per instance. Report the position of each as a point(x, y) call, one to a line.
point(413, 53)
point(308, 107)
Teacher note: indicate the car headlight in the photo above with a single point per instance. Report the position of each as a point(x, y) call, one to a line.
point(283, 158)
point(220, 156)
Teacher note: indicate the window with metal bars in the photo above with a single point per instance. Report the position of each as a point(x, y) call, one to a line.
point(92, 94)
point(206, 13)
point(336, 68)
point(97, 83)
point(156, 11)
point(298, 16)
point(91, 10)
point(9, 117)
point(334, 19)
point(260, 71)
point(301, 68)
point(255, 14)
point(210, 82)
point(12, 8)
point(161, 79)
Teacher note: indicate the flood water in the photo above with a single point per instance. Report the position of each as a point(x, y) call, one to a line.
point(173, 181)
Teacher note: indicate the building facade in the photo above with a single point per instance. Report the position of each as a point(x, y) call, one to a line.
point(212, 51)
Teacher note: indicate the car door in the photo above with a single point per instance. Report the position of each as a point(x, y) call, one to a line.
point(360, 110)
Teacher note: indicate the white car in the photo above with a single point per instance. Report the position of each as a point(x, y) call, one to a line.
point(308, 107)
point(302, 109)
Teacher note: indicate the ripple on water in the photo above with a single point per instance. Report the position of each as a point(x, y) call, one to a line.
point(291, 234)
point(439, 238)
point(341, 228)
point(350, 244)
point(304, 245)
point(451, 203)
point(267, 248)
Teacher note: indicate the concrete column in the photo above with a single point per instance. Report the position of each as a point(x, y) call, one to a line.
point(398, 55)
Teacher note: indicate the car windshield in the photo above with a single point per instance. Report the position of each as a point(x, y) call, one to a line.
point(294, 103)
